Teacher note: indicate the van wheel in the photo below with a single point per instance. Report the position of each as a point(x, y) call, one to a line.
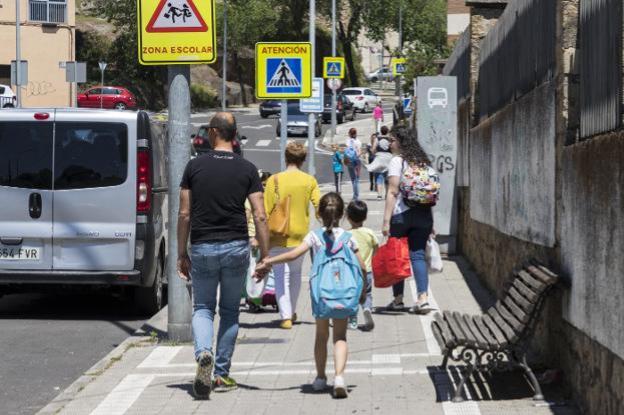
point(149, 300)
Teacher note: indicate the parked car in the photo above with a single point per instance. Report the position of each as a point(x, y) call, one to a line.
point(298, 122)
point(381, 74)
point(363, 99)
point(201, 144)
point(271, 107)
point(344, 108)
point(84, 196)
point(111, 97)
point(7, 97)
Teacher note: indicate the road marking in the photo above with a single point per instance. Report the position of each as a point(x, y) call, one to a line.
point(256, 127)
point(124, 395)
point(386, 359)
point(263, 143)
point(160, 357)
point(426, 320)
point(295, 372)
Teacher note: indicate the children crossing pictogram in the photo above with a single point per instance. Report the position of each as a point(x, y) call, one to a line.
point(176, 16)
point(284, 75)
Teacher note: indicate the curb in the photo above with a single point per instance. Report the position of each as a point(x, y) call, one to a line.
point(68, 395)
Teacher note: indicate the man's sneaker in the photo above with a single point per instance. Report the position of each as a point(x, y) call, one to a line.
point(319, 384)
point(394, 306)
point(340, 389)
point(224, 384)
point(286, 324)
point(369, 324)
point(202, 384)
point(353, 323)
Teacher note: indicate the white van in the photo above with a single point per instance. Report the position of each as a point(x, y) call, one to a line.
point(84, 201)
point(7, 97)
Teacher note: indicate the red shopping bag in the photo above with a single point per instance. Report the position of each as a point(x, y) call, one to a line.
point(391, 263)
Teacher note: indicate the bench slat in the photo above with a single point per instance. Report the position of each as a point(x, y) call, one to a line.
point(455, 329)
point(509, 332)
point(495, 330)
point(444, 328)
point(528, 293)
point(437, 334)
point(537, 285)
point(481, 341)
point(515, 324)
point(468, 337)
point(546, 278)
point(522, 302)
point(487, 334)
point(519, 313)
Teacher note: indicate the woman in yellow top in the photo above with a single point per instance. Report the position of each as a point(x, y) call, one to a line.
point(303, 190)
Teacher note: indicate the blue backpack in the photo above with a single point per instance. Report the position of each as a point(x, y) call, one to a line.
point(336, 281)
point(352, 156)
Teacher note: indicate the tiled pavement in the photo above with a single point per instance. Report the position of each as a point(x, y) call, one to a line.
point(391, 370)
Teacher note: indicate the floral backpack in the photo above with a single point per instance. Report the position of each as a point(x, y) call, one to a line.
point(419, 185)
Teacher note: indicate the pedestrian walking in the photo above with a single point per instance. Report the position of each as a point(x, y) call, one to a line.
point(370, 156)
point(213, 213)
point(383, 155)
point(331, 211)
point(410, 172)
point(378, 117)
point(302, 190)
point(353, 152)
point(338, 167)
point(367, 243)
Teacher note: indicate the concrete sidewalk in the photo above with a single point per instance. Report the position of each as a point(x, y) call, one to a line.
point(391, 370)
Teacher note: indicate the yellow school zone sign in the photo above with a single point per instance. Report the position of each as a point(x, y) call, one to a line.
point(176, 32)
point(283, 70)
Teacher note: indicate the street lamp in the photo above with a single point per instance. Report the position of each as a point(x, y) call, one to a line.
point(102, 65)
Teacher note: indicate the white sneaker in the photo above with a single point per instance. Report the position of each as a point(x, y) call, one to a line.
point(340, 389)
point(319, 384)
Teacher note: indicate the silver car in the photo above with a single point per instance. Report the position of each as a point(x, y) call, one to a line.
point(298, 122)
point(84, 201)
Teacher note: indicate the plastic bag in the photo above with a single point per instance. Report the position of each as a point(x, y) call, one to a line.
point(391, 263)
point(432, 253)
point(254, 288)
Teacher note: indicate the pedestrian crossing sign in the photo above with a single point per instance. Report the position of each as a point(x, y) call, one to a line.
point(174, 32)
point(398, 66)
point(333, 67)
point(283, 70)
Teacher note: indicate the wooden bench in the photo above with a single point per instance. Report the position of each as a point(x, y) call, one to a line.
point(499, 339)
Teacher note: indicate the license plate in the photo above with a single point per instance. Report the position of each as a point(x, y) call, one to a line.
point(19, 253)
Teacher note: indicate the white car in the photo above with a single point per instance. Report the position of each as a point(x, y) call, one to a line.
point(363, 99)
point(7, 97)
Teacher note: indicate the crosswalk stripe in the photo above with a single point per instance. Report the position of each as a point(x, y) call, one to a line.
point(263, 143)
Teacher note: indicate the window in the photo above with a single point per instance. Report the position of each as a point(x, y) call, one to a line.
point(351, 92)
point(90, 155)
point(2, 89)
point(95, 91)
point(26, 149)
point(111, 91)
point(48, 11)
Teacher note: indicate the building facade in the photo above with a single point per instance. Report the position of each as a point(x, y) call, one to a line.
point(457, 19)
point(47, 34)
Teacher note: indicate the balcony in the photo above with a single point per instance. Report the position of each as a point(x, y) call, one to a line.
point(48, 11)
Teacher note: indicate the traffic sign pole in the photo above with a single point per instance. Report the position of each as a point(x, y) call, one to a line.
point(312, 116)
point(333, 100)
point(283, 133)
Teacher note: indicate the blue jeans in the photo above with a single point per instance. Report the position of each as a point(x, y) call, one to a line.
point(354, 175)
point(368, 303)
point(220, 265)
point(416, 224)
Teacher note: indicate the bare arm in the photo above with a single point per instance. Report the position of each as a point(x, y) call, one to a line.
point(288, 256)
point(260, 219)
point(184, 228)
point(391, 198)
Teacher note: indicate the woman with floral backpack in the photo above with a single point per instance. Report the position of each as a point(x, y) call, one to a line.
point(413, 187)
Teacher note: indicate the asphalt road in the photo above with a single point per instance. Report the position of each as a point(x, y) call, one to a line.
point(48, 340)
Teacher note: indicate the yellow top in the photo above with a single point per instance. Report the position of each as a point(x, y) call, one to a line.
point(251, 225)
point(303, 190)
point(367, 243)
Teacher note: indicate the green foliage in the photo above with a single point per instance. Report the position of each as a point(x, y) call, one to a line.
point(421, 59)
point(203, 97)
point(91, 47)
point(249, 21)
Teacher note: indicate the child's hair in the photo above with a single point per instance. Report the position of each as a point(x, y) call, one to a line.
point(357, 211)
point(264, 176)
point(331, 210)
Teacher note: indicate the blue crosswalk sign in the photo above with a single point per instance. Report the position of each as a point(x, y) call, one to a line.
point(400, 68)
point(283, 76)
point(407, 106)
point(334, 69)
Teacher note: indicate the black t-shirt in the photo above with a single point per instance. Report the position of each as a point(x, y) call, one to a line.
point(219, 182)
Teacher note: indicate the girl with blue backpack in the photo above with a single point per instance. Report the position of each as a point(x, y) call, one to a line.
point(337, 287)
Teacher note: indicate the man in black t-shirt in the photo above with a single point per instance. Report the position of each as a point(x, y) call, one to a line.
point(215, 187)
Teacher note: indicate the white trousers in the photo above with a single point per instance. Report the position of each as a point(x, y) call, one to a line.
point(287, 283)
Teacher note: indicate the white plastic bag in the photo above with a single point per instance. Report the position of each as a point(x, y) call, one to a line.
point(254, 288)
point(433, 256)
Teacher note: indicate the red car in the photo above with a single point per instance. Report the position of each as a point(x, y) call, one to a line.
point(109, 97)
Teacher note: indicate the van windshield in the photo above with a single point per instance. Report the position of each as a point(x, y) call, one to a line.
point(90, 155)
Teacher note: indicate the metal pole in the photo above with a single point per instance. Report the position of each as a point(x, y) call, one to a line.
point(398, 79)
point(102, 91)
point(18, 55)
point(224, 90)
point(382, 64)
point(283, 133)
point(333, 100)
point(312, 116)
point(179, 150)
